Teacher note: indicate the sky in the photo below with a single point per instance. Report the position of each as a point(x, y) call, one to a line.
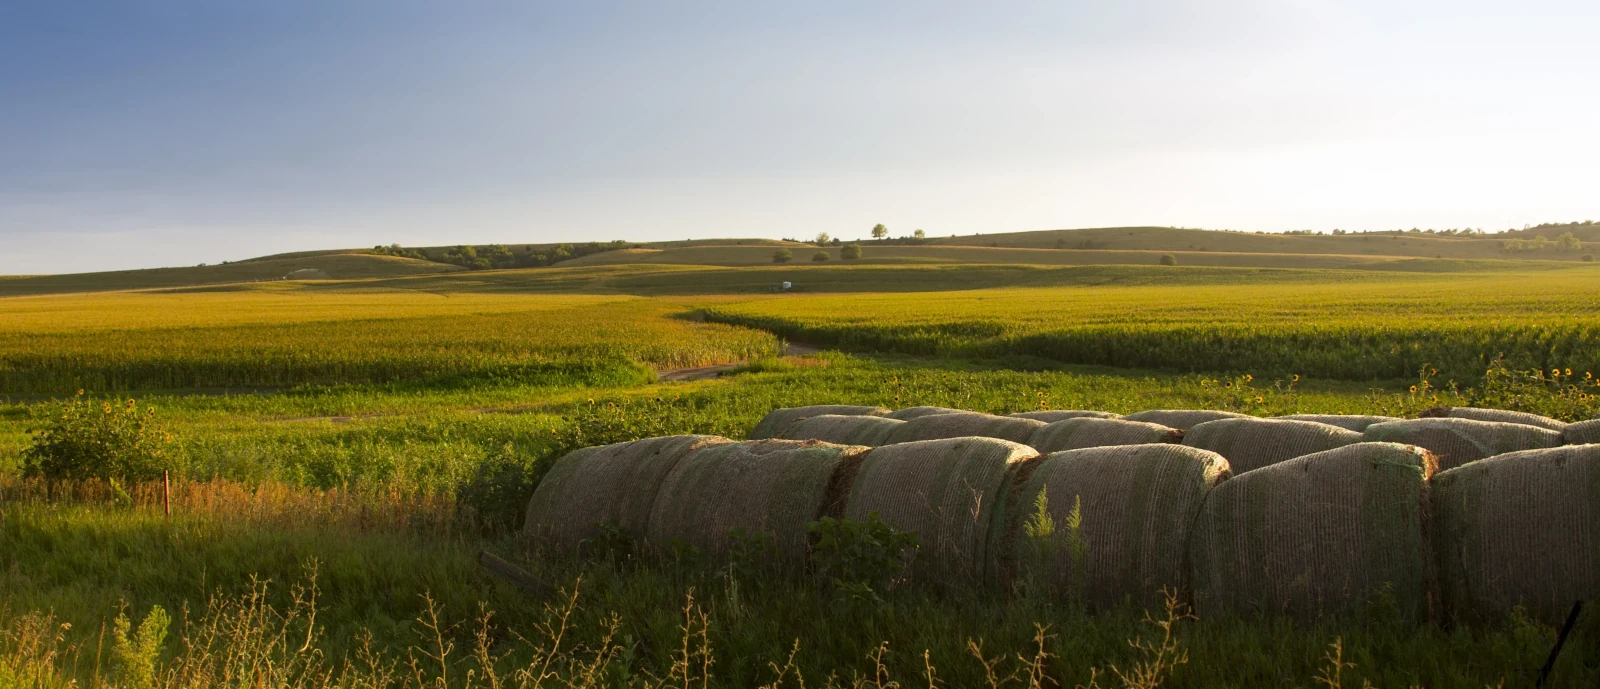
point(145, 133)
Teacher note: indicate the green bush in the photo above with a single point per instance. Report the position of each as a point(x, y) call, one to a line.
point(108, 439)
point(1169, 260)
point(782, 256)
point(850, 252)
point(1589, 258)
point(819, 257)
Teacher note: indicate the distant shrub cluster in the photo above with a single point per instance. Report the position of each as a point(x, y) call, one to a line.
point(503, 256)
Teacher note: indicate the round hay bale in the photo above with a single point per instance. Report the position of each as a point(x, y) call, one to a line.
point(947, 491)
point(772, 486)
point(1064, 414)
point(964, 425)
point(870, 431)
point(1459, 441)
point(772, 425)
point(1501, 415)
point(1323, 533)
point(598, 484)
point(1581, 433)
point(1076, 434)
point(1251, 443)
point(1182, 419)
point(910, 413)
point(1354, 422)
point(1136, 504)
point(1519, 529)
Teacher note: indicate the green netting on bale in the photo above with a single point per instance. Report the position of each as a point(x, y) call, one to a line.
point(1519, 529)
point(1331, 532)
point(870, 431)
point(965, 425)
point(609, 483)
point(771, 486)
point(774, 423)
point(1251, 443)
point(1076, 434)
point(1459, 441)
point(1136, 505)
point(947, 491)
point(1182, 419)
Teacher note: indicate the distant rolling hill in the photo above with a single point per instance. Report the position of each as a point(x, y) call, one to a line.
point(1416, 245)
point(314, 264)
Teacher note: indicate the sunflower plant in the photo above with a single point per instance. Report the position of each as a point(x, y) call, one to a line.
point(104, 439)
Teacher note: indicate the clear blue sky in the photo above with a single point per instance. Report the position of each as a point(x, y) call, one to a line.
point(138, 134)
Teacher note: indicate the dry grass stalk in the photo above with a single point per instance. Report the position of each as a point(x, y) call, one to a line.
point(1459, 441)
point(1519, 529)
point(603, 484)
point(773, 424)
point(1251, 443)
point(1080, 433)
point(1323, 533)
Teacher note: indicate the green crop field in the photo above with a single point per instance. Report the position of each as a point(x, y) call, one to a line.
point(372, 433)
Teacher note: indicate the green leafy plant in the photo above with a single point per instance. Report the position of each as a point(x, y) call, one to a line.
point(860, 561)
point(1037, 546)
point(1078, 548)
point(134, 653)
point(109, 439)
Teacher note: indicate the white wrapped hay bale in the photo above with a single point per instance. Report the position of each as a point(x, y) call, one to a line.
point(965, 424)
point(1353, 422)
point(772, 486)
point(1136, 505)
point(1519, 529)
point(949, 492)
point(1064, 414)
point(1499, 415)
point(1323, 533)
point(1251, 443)
point(1182, 419)
point(609, 483)
point(910, 413)
point(1581, 433)
point(771, 425)
point(1459, 441)
point(1076, 434)
point(870, 431)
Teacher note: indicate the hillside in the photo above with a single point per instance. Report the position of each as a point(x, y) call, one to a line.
point(1417, 245)
point(329, 265)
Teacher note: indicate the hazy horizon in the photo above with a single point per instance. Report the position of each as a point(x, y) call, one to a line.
point(144, 134)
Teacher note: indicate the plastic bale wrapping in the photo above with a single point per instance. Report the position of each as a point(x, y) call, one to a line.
point(1519, 529)
point(773, 424)
point(910, 413)
point(1064, 414)
point(1354, 422)
point(1182, 419)
point(1331, 532)
point(1581, 433)
point(1252, 443)
point(1136, 505)
point(871, 431)
point(950, 492)
point(964, 425)
point(1076, 434)
point(772, 486)
point(1459, 441)
point(599, 484)
point(1500, 415)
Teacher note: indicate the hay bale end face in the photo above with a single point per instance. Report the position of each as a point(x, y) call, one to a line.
point(1076, 434)
point(772, 486)
point(598, 484)
point(1136, 504)
point(1500, 415)
point(1519, 529)
point(1064, 414)
point(1324, 533)
point(964, 425)
point(1581, 433)
point(910, 413)
point(774, 423)
point(947, 491)
point(1459, 441)
point(1182, 419)
point(1251, 443)
point(870, 431)
point(1353, 422)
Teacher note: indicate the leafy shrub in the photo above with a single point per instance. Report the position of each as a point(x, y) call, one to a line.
point(495, 498)
point(135, 654)
point(782, 256)
point(1589, 258)
point(1169, 260)
point(109, 439)
point(860, 561)
point(819, 257)
point(850, 252)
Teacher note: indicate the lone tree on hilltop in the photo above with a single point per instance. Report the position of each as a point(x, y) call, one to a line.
point(850, 252)
point(822, 239)
point(782, 256)
point(879, 231)
point(919, 234)
point(819, 257)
